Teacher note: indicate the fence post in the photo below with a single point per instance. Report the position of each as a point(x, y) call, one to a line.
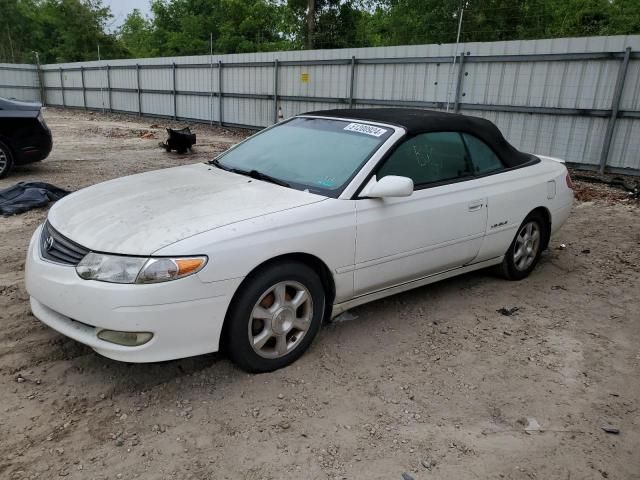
point(456, 103)
point(211, 92)
point(43, 91)
point(84, 91)
point(275, 91)
point(352, 80)
point(62, 87)
point(615, 105)
point(175, 102)
point(139, 93)
point(43, 96)
point(220, 92)
point(109, 87)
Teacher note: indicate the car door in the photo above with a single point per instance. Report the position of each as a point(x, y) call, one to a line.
point(439, 227)
point(511, 195)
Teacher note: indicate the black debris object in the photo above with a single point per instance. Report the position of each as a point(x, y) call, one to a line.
point(179, 140)
point(507, 312)
point(24, 196)
point(632, 187)
point(611, 429)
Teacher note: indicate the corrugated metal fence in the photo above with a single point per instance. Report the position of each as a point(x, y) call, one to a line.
point(574, 98)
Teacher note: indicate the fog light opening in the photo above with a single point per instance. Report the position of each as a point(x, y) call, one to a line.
point(127, 339)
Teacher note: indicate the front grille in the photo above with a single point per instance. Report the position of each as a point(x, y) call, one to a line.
point(59, 249)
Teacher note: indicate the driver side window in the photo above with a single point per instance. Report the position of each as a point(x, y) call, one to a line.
point(429, 158)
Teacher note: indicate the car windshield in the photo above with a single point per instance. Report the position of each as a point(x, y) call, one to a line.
point(314, 154)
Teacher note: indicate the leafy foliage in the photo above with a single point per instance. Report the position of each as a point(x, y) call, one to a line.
point(60, 30)
point(70, 30)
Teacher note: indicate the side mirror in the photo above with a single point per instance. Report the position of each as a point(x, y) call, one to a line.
point(389, 186)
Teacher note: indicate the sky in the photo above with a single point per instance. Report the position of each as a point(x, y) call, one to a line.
point(121, 8)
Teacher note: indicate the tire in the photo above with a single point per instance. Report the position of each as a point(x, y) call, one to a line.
point(525, 249)
point(274, 317)
point(6, 160)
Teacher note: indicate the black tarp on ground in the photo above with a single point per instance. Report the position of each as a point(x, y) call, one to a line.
point(24, 196)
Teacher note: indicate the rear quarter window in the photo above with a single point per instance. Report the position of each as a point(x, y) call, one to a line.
point(483, 158)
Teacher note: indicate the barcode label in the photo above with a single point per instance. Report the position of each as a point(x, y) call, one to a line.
point(366, 129)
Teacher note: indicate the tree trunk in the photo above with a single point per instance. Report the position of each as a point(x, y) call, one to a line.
point(311, 24)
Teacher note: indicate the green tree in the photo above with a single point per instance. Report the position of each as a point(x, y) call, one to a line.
point(136, 35)
point(60, 30)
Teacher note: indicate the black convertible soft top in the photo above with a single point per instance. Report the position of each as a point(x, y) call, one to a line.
point(416, 121)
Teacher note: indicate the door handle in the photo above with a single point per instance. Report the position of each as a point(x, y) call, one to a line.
point(475, 206)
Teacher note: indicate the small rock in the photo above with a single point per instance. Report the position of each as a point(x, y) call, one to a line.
point(284, 425)
point(532, 425)
point(406, 476)
point(427, 463)
point(611, 429)
point(586, 250)
point(280, 396)
point(119, 442)
point(507, 312)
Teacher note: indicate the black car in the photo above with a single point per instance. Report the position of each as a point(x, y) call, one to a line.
point(24, 135)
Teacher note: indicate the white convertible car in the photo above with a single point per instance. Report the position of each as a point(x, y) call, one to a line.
point(304, 220)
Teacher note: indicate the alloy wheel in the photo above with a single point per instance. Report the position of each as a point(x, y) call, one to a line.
point(527, 246)
point(280, 319)
point(4, 160)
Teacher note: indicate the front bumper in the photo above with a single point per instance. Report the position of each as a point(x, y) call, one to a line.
point(185, 315)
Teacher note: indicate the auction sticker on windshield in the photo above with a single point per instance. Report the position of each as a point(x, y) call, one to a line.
point(366, 129)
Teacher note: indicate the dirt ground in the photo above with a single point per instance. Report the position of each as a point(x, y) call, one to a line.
point(431, 384)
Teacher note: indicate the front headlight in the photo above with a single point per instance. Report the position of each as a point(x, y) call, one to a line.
point(121, 269)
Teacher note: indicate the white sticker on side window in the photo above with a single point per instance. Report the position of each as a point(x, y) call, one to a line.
point(366, 129)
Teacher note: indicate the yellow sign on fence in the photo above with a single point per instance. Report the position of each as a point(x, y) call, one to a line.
point(304, 77)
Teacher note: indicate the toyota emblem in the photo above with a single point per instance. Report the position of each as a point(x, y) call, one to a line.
point(49, 243)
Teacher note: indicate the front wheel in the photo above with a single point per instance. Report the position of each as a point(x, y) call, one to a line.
point(6, 160)
point(526, 248)
point(274, 317)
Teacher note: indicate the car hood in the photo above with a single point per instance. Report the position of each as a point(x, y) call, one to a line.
point(140, 214)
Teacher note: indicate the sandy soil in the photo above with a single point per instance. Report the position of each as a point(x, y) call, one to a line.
point(431, 384)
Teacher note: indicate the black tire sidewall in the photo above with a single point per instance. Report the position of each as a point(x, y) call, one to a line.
point(7, 151)
point(509, 267)
point(236, 338)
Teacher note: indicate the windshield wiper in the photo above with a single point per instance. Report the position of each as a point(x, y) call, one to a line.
point(251, 173)
point(217, 163)
point(267, 178)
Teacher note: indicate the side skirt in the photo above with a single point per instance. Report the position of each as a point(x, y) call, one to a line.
point(338, 308)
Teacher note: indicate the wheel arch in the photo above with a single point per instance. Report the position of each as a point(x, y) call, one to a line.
point(312, 261)
point(9, 145)
point(546, 214)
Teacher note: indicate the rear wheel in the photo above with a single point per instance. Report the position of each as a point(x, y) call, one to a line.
point(6, 160)
point(275, 317)
point(526, 248)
